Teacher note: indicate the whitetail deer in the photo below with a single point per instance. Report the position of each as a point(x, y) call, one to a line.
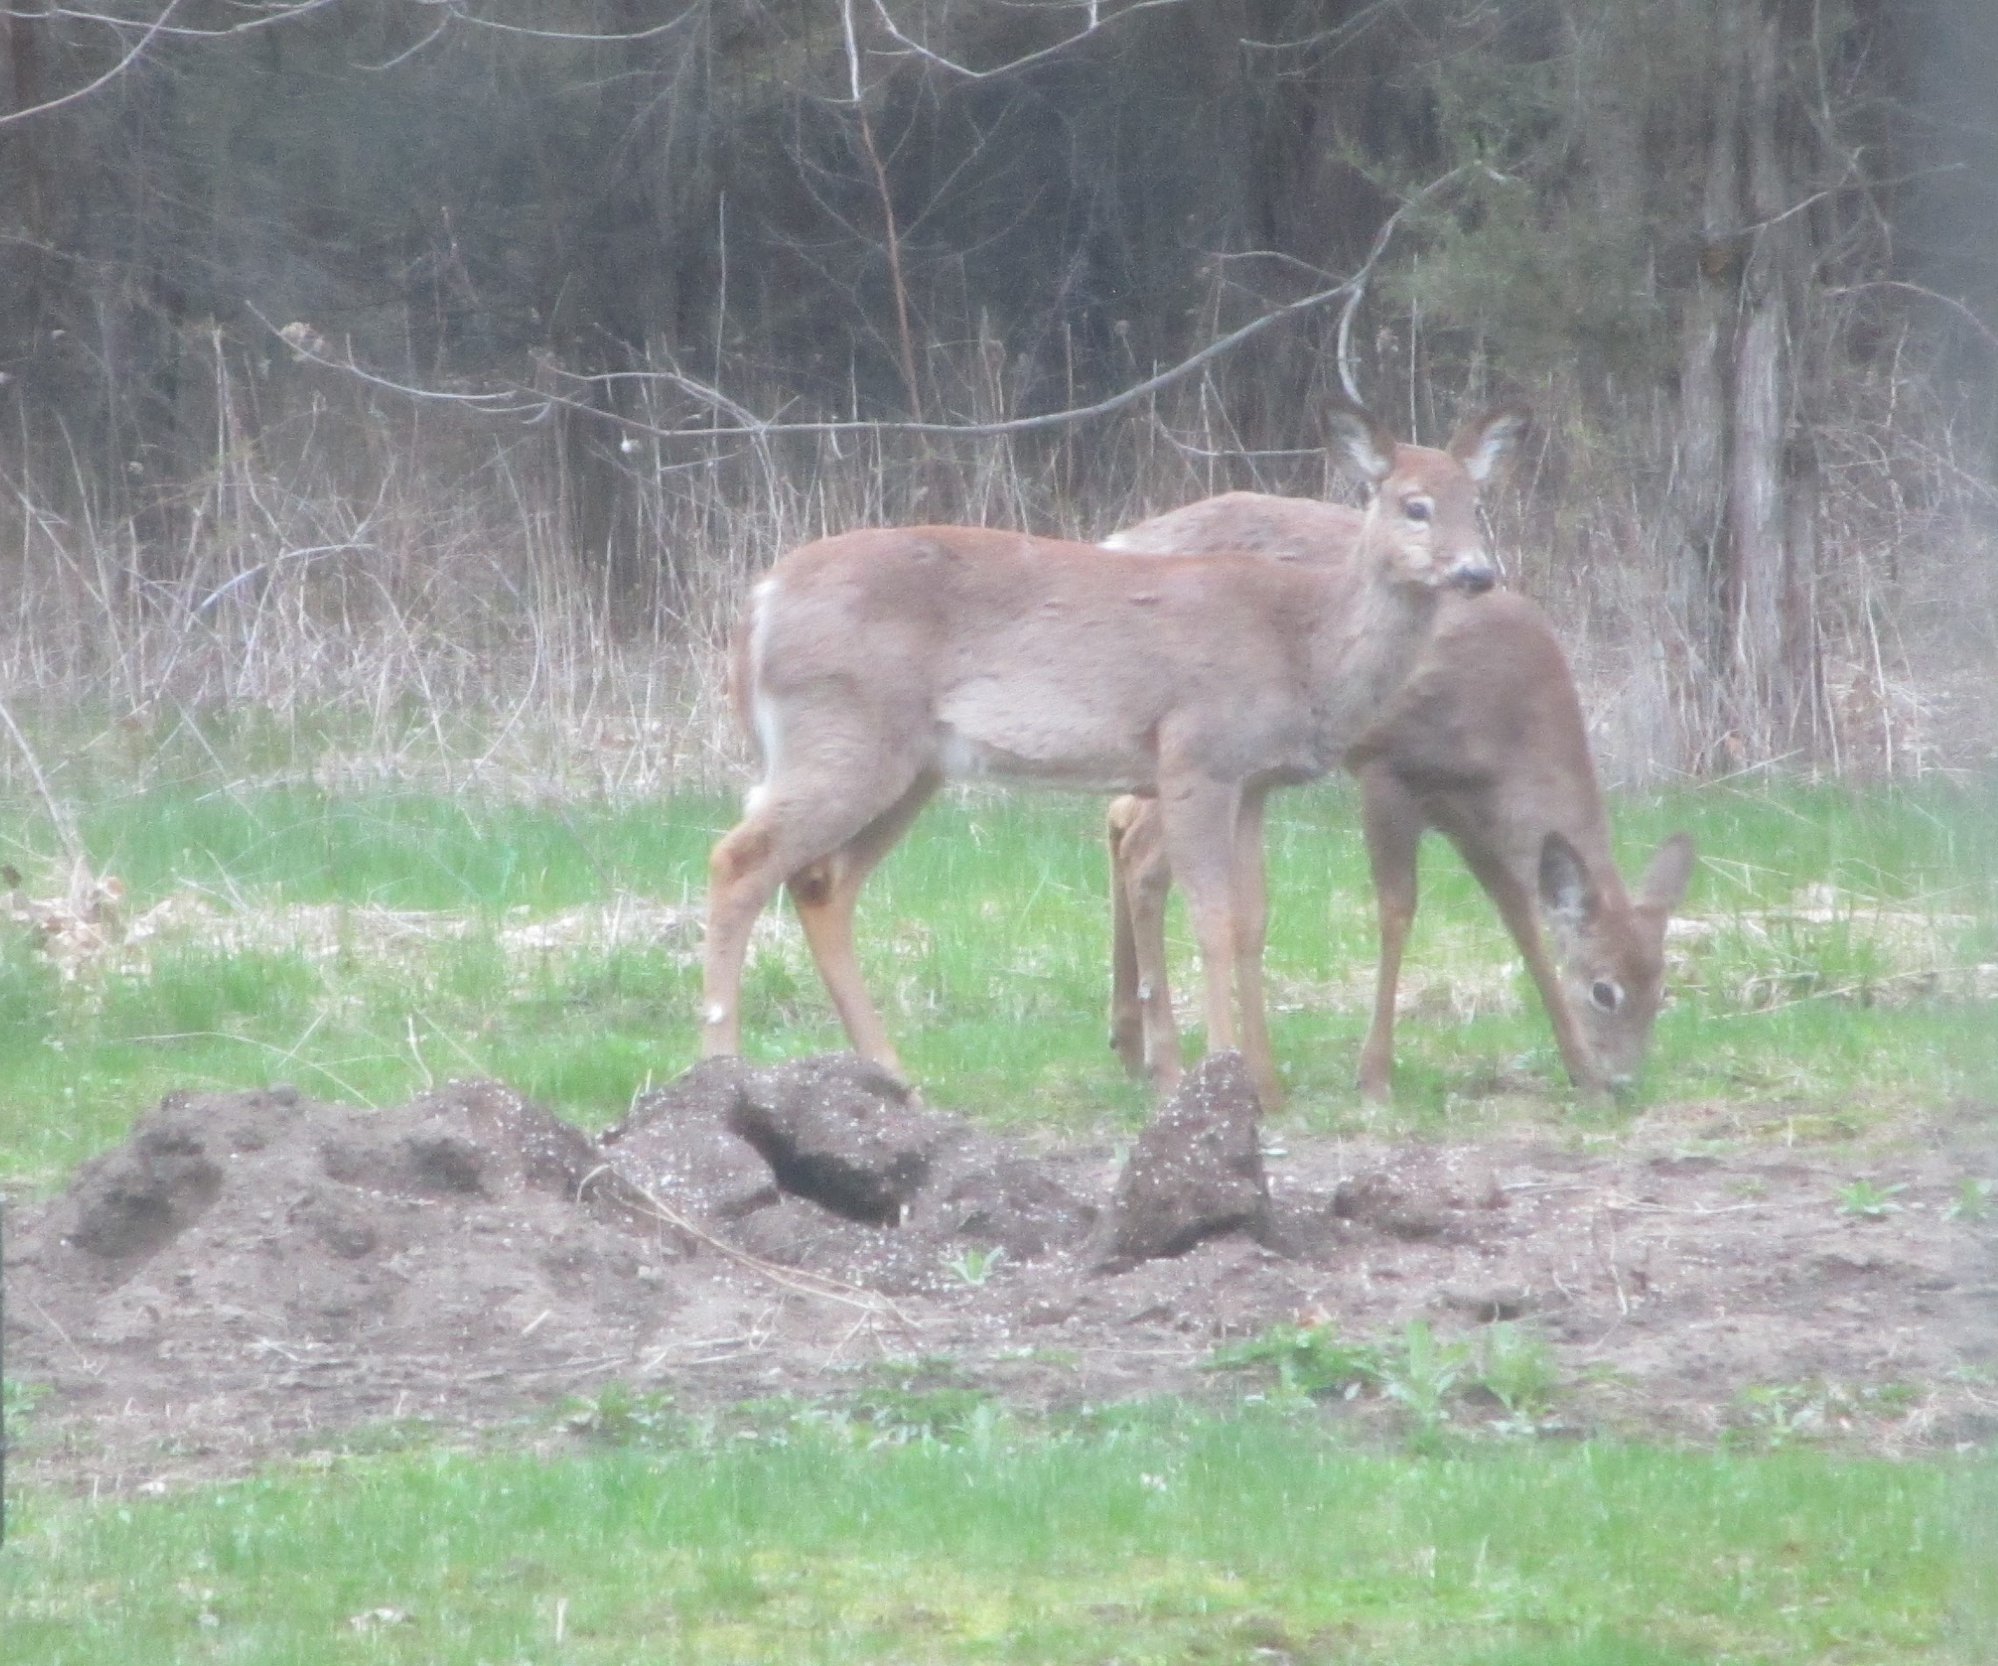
point(873, 665)
point(1485, 741)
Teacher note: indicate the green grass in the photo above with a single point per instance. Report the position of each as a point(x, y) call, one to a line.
point(985, 938)
point(365, 942)
point(1188, 1539)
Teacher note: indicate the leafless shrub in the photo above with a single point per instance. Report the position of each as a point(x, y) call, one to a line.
point(405, 577)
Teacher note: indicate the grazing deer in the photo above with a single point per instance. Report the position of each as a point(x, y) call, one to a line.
point(873, 665)
point(1484, 741)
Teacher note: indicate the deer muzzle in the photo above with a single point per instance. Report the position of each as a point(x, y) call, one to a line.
point(1473, 578)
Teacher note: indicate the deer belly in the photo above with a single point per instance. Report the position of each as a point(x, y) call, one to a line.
point(987, 732)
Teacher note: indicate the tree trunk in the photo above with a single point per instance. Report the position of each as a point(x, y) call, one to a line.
point(1747, 528)
point(1761, 662)
point(1705, 416)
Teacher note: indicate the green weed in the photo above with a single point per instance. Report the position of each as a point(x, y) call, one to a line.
point(1309, 1361)
point(1427, 1377)
point(1518, 1370)
point(1779, 1415)
point(618, 1415)
point(1422, 1375)
point(1972, 1202)
point(1868, 1201)
point(975, 1266)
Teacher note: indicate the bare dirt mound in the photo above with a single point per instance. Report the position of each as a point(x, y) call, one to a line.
point(256, 1274)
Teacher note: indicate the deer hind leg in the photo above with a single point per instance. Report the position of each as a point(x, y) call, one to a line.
point(1393, 825)
point(824, 894)
point(1252, 921)
point(1142, 1029)
point(743, 875)
point(795, 823)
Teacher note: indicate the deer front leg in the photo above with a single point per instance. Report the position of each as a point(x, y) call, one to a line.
point(1149, 890)
point(1142, 1026)
point(1252, 918)
point(1393, 825)
point(1127, 1023)
point(1200, 816)
point(1517, 909)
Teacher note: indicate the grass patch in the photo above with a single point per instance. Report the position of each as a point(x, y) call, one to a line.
point(362, 944)
point(366, 942)
point(1215, 1538)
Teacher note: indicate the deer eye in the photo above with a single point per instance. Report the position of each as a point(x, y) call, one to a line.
point(1605, 996)
point(1418, 509)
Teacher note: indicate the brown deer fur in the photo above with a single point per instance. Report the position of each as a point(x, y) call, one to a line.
point(1486, 742)
point(874, 665)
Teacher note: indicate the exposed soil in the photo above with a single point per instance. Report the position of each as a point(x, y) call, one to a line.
point(254, 1275)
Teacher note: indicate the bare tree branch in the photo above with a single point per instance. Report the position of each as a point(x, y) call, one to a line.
point(1962, 308)
point(462, 14)
point(276, 12)
point(151, 33)
point(918, 49)
point(904, 340)
point(535, 404)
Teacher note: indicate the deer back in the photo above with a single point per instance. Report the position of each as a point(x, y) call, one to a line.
point(996, 652)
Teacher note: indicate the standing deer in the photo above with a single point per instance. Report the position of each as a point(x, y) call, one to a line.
point(873, 665)
point(1484, 741)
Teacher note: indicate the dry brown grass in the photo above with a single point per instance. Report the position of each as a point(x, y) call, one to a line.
point(402, 593)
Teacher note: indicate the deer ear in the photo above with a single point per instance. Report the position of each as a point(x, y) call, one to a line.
point(1359, 437)
point(1671, 871)
point(1485, 442)
point(1565, 891)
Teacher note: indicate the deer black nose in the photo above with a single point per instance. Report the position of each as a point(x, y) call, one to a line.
point(1474, 581)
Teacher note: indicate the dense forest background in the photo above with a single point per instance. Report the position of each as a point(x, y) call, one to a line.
point(418, 352)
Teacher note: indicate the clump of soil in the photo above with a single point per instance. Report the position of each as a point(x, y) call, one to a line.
point(252, 1274)
point(1196, 1172)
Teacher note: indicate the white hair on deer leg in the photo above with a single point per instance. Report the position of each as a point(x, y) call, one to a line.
point(762, 716)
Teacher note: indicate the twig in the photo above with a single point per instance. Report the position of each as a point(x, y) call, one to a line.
point(288, 1055)
point(735, 1347)
point(1615, 1272)
point(791, 1278)
point(51, 1321)
point(1638, 1206)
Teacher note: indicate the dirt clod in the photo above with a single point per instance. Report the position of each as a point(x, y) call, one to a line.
point(840, 1133)
point(1196, 1171)
point(677, 1143)
point(255, 1274)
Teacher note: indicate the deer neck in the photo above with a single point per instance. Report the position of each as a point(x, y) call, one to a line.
point(1367, 647)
